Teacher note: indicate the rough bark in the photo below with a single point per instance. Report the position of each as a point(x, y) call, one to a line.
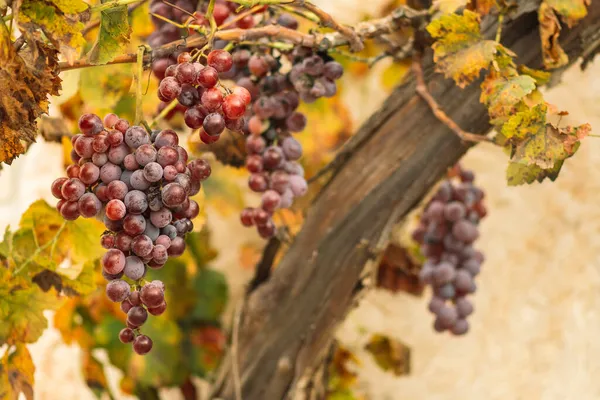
point(390, 164)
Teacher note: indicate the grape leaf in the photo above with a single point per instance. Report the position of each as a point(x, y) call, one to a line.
point(449, 6)
point(78, 240)
point(27, 83)
point(552, 53)
point(21, 309)
point(16, 374)
point(540, 77)
point(519, 173)
point(501, 94)
point(538, 142)
point(212, 294)
point(113, 36)
point(460, 52)
point(389, 354)
point(61, 21)
point(570, 10)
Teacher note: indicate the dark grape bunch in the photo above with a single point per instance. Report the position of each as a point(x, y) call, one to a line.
point(446, 232)
point(208, 105)
point(139, 185)
point(272, 151)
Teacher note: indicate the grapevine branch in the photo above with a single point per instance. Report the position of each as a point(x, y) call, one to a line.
point(422, 90)
point(363, 30)
point(390, 164)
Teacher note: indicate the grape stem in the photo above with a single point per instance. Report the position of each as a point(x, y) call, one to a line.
point(355, 42)
point(138, 84)
point(422, 90)
point(364, 30)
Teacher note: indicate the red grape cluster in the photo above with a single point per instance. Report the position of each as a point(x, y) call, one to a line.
point(272, 151)
point(446, 232)
point(139, 185)
point(207, 104)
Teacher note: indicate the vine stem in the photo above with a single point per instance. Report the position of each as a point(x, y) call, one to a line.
point(422, 90)
point(138, 84)
point(365, 30)
point(328, 21)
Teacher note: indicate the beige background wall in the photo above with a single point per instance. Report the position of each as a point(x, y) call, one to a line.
point(537, 321)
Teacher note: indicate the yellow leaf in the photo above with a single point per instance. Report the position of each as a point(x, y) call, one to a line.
point(501, 94)
point(460, 52)
point(553, 54)
point(16, 374)
point(570, 10)
point(113, 35)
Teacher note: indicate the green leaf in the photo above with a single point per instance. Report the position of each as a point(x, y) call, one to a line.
point(163, 366)
point(113, 36)
point(501, 94)
point(61, 20)
point(519, 173)
point(16, 374)
point(526, 124)
point(21, 309)
point(211, 295)
point(460, 52)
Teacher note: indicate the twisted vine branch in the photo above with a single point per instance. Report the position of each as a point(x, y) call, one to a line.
point(323, 41)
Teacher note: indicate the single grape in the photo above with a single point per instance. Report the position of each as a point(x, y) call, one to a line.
point(208, 77)
point(142, 344)
point(273, 157)
point(113, 138)
point(99, 159)
point(267, 230)
point(167, 155)
point(137, 315)
point(296, 122)
point(145, 154)
point(138, 181)
point(117, 190)
point(460, 327)
point(169, 88)
point(233, 106)
point(214, 124)
point(90, 124)
point(464, 307)
point(258, 183)
point(134, 268)
point(166, 137)
point(126, 335)
point(200, 169)
point(189, 96)
point(123, 241)
point(107, 241)
point(141, 245)
point(109, 172)
point(136, 136)
point(100, 143)
point(292, 149)
point(298, 185)
point(173, 195)
point(56, 187)
point(220, 60)
point(177, 246)
point(158, 310)
point(152, 295)
point(117, 290)
point(134, 224)
point(465, 231)
point(89, 205)
point(115, 210)
point(270, 201)
point(72, 189)
point(136, 201)
point(153, 172)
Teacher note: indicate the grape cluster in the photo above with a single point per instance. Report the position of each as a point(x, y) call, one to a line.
point(208, 105)
point(139, 185)
point(446, 233)
point(272, 151)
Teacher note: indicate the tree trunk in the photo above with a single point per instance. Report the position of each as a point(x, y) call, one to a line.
point(288, 322)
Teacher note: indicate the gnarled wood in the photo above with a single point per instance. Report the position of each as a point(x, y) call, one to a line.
point(389, 165)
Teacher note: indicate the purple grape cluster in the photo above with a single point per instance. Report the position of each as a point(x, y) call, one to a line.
point(447, 230)
point(139, 185)
point(208, 106)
